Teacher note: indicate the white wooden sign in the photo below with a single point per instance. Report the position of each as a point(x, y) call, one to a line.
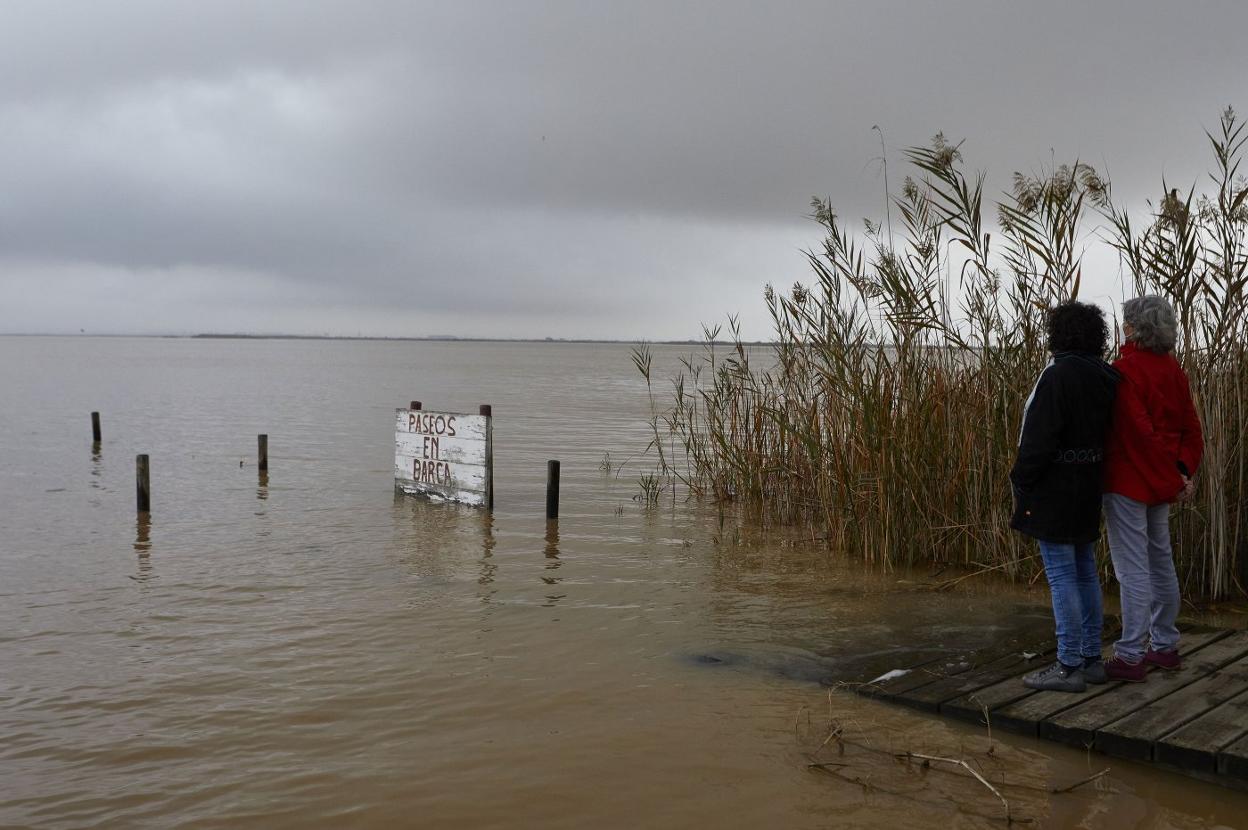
point(445, 455)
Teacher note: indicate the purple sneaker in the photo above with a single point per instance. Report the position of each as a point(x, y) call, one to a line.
point(1119, 669)
point(1168, 660)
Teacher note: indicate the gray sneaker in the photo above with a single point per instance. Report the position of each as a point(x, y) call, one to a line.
point(1056, 678)
point(1094, 673)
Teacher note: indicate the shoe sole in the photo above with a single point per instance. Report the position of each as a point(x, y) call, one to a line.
point(1163, 667)
point(1130, 679)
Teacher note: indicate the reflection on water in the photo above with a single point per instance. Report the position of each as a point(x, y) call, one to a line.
point(552, 542)
point(319, 651)
point(96, 479)
point(143, 547)
point(143, 534)
point(552, 562)
point(488, 567)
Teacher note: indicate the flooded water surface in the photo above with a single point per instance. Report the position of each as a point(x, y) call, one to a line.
point(311, 650)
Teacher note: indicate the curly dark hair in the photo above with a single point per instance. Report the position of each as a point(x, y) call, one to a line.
point(1077, 327)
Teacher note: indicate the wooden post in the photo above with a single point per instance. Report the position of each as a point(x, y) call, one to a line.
point(487, 411)
point(262, 461)
point(552, 489)
point(414, 405)
point(143, 484)
point(95, 427)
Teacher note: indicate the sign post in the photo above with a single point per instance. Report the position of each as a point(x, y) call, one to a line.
point(445, 455)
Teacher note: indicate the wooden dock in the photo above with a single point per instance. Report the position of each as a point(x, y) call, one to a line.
point(1193, 720)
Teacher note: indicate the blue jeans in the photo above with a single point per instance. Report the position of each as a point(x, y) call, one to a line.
point(1139, 543)
point(1076, 590)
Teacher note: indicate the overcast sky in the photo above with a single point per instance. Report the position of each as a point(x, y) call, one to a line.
point(530, 169)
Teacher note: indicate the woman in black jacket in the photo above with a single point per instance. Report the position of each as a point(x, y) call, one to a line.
point(1057, 486)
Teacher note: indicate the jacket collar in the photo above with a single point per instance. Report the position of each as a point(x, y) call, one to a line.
point(1128, 348)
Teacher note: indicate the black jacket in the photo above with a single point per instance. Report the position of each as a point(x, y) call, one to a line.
point(1061, 451)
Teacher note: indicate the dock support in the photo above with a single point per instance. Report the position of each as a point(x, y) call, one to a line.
point(487, 411)
point(552, 489)
point(143, 484)
point(262, 460)
point(95, 427)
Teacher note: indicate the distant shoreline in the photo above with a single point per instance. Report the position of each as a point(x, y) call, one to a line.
point(433, 339)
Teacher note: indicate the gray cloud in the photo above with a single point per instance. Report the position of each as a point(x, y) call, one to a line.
point(574, 169)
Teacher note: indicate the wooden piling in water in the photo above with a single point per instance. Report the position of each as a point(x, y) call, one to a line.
point(143, 484)
point(487, 411)
point(262, 460)
point(95, 427)
point(414, 405)
point(552, 489)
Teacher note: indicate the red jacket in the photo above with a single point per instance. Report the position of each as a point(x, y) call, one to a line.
point(1155, 437)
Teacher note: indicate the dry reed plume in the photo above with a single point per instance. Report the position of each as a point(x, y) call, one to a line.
point(886, 413)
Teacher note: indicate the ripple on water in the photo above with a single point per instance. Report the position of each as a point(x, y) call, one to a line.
point(317, 652)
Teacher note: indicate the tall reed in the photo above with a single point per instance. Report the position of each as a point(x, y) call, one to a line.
point(885, 415)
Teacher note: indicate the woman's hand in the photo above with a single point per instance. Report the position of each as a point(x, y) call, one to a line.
point(1188, 491)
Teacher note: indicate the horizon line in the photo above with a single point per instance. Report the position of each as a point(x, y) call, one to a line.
point(404, 338)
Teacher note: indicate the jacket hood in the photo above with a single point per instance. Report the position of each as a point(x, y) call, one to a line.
point(1108, 374)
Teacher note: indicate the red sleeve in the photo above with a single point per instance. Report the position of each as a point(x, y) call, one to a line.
point(1191, 439)
point(1143, 445)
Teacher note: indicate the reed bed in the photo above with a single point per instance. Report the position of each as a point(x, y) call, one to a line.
point(885, 415)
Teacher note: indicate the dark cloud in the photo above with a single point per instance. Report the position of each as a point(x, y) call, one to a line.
point(578, 169)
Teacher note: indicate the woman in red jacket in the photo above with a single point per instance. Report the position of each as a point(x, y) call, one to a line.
point(1151, 456)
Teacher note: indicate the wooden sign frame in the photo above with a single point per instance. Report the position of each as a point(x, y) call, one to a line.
point(446, 456)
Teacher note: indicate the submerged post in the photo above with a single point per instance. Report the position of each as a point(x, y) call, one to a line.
point(263, 458)
point(95, 427)
point(143, 484)
point(414, 405)
point(487, 411)
point(552, 489)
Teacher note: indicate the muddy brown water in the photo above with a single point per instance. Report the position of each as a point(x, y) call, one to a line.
point(315, 652)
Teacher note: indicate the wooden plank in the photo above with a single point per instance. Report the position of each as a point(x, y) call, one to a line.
point(1011, 665)
point(938, 670)
point(445, 424)
point(442, 492)
point(469, 451)
point(1031, 715)
point(1078, 725)
point(927, 672)
point(468, 477)
point(882, 664)
point(1133, 736)
point(1233, 760)
point(1196, 746)
point(1026, 714)
point(970, 707)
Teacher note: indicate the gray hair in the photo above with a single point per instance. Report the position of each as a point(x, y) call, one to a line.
point(1153, 322)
